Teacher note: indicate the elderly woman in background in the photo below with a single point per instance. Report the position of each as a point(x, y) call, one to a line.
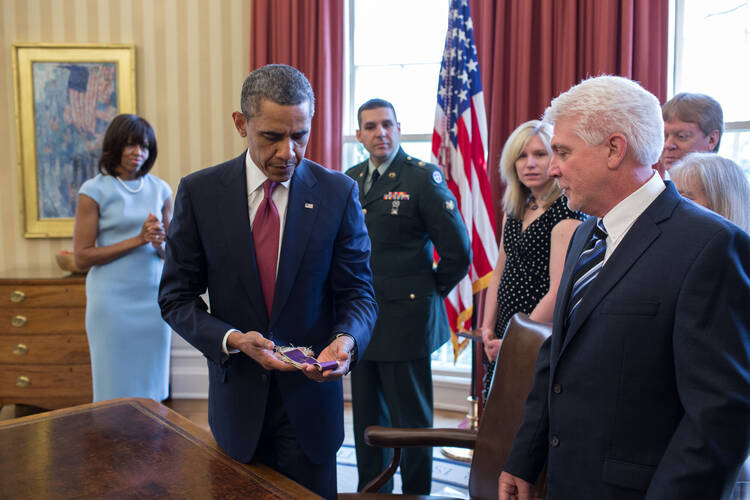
point(121, 221)
point(536, 230)
point(715, 182)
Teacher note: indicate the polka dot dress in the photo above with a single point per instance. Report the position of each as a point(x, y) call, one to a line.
point(525, 278)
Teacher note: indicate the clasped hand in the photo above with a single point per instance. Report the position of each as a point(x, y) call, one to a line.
point(153, 232)
point(261, 350)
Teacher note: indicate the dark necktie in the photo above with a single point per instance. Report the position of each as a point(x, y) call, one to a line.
point(587, 268)
point(375, 177)
point(266, 238)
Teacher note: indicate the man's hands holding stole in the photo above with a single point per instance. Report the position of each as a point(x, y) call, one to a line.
point(261, 349)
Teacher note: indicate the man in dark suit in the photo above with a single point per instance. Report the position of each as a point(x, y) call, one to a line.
point(280, 244)
point(408, 209)
point(643, 389)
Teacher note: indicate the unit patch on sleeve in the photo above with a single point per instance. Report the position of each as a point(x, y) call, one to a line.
point(437, 177)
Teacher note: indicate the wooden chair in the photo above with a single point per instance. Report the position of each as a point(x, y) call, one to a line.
point(502, 416)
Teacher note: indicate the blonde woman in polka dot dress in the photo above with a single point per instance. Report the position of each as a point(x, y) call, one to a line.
point(537, 228)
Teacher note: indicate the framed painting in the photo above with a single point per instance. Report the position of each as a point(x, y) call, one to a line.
point(65, 97)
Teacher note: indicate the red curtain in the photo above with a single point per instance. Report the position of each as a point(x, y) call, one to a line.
point(530, 51)
point(309, 35)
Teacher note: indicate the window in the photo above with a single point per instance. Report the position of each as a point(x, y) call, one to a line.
point(710, 54)
point(391, 56)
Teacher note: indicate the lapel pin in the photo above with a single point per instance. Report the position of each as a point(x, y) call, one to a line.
point(309, 205)
point(392, 174)
point(361, 174)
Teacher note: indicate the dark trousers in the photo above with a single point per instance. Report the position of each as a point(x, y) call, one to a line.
point(393, 394)
point(278, 448)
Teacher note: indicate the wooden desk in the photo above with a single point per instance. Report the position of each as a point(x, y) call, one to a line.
point(126, 447)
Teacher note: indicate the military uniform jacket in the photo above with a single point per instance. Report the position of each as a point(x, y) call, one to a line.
point(407, 211)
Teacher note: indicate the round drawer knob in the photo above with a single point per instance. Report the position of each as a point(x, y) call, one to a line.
point(17, 296)
point(18, 321)
point(20, 349)
point(23, 381)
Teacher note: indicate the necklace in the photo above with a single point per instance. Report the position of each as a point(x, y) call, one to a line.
point(531, 202)
point(140, 186)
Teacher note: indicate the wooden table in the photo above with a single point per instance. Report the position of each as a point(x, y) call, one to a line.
point(126, 448)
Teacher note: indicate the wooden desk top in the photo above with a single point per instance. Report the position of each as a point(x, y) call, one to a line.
point(126, 447)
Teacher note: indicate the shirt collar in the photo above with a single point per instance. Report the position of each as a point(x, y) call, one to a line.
point(383, 166)
point(255, 176)
point(618, 220)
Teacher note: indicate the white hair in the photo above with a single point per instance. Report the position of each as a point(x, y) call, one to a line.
point(604, 105)
point(726, 187)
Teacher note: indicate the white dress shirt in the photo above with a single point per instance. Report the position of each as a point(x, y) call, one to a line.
point(255, 178)
point(621, 218)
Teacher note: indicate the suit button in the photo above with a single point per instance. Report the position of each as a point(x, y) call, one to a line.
point(412, 296)
point(555, 441)
point(557, 388)
point(364, 211)
point(263, 377)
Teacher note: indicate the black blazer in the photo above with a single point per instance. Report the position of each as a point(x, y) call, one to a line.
point(647, 394)
point(323, 287)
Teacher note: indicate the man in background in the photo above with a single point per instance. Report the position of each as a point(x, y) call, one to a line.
point(692, 122)
point(643, 389)
point(409, 211)
point(280, 244)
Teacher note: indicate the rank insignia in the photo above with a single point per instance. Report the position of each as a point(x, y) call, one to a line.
point(449, 205)
point(437, 177)
point(396, 195)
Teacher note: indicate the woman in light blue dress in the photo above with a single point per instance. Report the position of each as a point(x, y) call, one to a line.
point(121, 221)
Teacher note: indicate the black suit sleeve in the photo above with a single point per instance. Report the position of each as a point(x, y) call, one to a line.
point(351, 277)
point(529, 452)
point(712, 368)
point(184, 280)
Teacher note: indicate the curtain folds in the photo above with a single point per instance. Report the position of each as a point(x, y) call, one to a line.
point(309, 35)
point(532, 50)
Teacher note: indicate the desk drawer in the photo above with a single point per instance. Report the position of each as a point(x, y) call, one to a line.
point(44, 349)
point(22, 381)
point(21, 295)
point(20, 321)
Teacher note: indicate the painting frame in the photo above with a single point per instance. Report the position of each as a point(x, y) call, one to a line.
point(113, 65)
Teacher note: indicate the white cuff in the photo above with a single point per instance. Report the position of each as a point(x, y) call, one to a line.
point(224, 342)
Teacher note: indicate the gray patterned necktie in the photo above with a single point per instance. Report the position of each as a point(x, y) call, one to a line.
point(587, 268)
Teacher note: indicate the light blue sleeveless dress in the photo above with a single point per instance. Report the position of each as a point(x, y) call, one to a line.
point(128, 340)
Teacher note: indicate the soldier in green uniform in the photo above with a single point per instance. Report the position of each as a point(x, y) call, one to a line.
point(408, 209)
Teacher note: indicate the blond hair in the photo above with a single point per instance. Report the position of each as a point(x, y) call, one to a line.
point(516, 194)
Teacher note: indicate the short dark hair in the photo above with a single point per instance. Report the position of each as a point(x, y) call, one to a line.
point(701, 109)
point(374, 104)
point(124, 130)
point(277, 83)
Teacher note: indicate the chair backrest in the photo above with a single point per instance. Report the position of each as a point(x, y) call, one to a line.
point(503, 412)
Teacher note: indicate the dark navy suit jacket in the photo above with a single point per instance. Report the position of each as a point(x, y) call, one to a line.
point(323, 287)
point(647, 393)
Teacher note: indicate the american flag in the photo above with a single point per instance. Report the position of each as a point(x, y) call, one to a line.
point(88, 84)
point(459, 145)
